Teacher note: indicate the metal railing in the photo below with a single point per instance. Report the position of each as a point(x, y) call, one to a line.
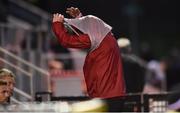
point(15, 37)
point(9, 35)
point(30, 13)
point(24, 72)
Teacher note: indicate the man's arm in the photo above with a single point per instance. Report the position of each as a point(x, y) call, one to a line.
point(70, 41)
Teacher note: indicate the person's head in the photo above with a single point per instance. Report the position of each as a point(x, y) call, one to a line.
point(8, 77)
point(125, 45)
point(3, 92)
point(55, 64)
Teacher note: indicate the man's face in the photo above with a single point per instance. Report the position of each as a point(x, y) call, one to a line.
point(10, 84)
point(3, 93)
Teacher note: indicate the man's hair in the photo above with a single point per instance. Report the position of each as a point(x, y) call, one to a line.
point(6, 72)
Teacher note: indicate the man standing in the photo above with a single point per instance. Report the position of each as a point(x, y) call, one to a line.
point(134, 68)
point(102, 67)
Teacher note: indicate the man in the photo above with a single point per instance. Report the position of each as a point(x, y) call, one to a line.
point(3, 92)
point(134, 68)
point(102, 67)
point(8, 77)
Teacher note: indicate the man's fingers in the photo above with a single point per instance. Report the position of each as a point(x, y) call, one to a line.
point(76, 9)
point(69, 12)
point(55, 15)
point(58, 17)
point(70, 8)
point(72, 11)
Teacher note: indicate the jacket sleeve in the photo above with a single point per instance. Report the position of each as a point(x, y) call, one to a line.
point(70, 41)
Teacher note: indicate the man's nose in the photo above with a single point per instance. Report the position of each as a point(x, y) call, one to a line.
point(6, 94)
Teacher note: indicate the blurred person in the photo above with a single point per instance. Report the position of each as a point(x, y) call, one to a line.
point(55, 66)
point(57, 71)
point(3, 92)
point(134, 67)
point(156, 74)
point(8, 77)
point(103, 66)
point(57, 49)
point(156, 77)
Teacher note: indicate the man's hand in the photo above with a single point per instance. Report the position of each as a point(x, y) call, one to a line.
point(74, 12)
point(58, 17)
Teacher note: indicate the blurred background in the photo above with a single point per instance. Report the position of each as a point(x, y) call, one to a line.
point(144, 22)
point(28, 46)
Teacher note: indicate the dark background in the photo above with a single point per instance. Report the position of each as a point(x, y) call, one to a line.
point(150, 24)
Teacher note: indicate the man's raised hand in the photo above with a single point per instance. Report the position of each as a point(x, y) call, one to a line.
point(58, 17)
point(74, 12)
